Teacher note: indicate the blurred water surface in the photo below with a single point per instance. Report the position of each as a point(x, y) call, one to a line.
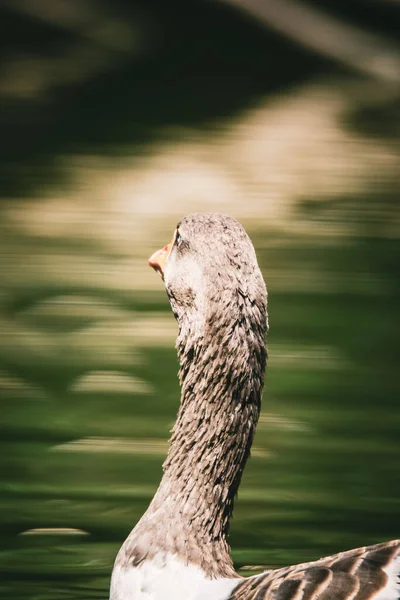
point(89, 393)
point(307, 159)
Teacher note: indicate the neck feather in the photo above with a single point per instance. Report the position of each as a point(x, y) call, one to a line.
point(222, 375)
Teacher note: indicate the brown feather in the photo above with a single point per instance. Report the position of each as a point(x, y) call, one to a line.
point(353, 575)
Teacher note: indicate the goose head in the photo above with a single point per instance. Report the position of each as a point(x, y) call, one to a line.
point(208, 268)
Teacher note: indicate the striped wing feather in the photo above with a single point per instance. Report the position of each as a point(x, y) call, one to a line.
point(354, 575)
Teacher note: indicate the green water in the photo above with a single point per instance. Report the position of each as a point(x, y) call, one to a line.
point(88, 386)
point(324, 475)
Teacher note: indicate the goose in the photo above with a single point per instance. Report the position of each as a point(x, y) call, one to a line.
point(178, 550)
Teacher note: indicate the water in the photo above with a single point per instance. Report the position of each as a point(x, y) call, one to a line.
point(89, 393)
point(117, 121)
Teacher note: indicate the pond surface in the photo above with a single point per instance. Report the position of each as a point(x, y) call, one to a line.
point(89, 394)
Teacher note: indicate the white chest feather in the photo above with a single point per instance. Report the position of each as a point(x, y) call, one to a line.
point(167, 578)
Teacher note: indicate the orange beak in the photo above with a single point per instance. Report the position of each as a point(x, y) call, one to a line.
point(157, 260)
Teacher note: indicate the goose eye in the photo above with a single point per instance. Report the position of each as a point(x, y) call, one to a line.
point(181, 244)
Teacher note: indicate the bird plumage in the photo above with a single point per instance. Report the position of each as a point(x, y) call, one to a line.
point(178, 550)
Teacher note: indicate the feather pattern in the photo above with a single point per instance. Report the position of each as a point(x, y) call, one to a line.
point(359, 574)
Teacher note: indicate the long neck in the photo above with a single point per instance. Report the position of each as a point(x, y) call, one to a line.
point(222, 374)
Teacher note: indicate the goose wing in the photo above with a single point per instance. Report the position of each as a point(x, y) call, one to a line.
point(369, 573)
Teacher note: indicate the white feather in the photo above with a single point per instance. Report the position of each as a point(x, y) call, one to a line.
point(166, 577)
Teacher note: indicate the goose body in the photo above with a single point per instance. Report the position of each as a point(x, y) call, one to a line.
point(178, 550)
